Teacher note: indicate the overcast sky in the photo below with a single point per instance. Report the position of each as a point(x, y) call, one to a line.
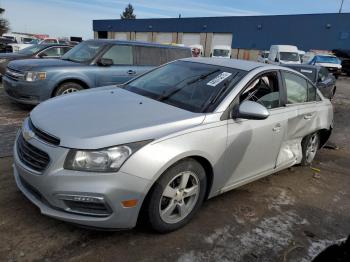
point(74, 17)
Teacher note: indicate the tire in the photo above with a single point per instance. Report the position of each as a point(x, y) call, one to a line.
point(310, 144)
point(67, 88)
point(174, 199)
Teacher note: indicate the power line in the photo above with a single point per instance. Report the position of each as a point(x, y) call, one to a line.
point(341, 6)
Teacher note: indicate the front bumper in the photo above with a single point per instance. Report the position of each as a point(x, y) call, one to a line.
point(24, 92)
point(45, 190)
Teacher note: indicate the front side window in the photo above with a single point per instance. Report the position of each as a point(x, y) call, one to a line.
point(191, 86)
point(51, 52)
point(289, 56)
point(296, 88)
point(263, 90)
point(120, 54)
point(84, 52)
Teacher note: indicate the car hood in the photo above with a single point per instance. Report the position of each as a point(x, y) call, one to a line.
point(112, 116)
point(10, 56)
point(32, 64)
point(329, 65)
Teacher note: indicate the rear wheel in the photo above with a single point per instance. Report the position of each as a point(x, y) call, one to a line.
point(68, 88)
point(310, 145)
point(176, 196)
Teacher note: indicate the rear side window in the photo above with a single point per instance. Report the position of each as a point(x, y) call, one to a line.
point(145, 55)
point(120, 54)
point(296, 88)
point(311, 92)
point(322, 74)
point(155, 56)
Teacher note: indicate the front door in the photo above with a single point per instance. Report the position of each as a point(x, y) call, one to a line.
point(122, 70)
point(253, 145)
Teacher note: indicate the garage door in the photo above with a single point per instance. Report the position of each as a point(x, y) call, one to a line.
point(191, 39)
point(141, 36)
point(164, 38)
point(120, 36)
point(222, 39)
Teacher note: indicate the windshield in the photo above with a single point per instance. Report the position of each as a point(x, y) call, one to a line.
point(31, 50)
point(220, 52)
point(327, 59)
point(191, 86)
point(83, 52)
point(265, 55)
point(34, 41)
point(289, 56)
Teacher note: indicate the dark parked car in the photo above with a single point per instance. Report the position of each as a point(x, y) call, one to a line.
point(344, 56)
point(92, 63)
point(4, 45)
point(34, 51)
point(320, 76)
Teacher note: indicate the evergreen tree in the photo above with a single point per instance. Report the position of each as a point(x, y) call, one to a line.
point(128, 13)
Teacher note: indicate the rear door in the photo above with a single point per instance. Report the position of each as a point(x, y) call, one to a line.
point(303, 98)
point(123, 68)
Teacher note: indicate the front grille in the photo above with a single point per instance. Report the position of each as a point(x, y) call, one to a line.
point(14, 74)
point(31, 156)
point(43, 135)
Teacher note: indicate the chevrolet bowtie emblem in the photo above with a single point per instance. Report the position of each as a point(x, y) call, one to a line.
point(27, 134)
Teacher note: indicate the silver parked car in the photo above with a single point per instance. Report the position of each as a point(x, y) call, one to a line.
point(166, 141)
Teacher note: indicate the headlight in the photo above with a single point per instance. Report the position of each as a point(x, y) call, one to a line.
point(3, 60)
point(104, 160)
point(15, 48)
point(33, 76)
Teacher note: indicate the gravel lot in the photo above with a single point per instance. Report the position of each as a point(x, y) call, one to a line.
point(289, 216)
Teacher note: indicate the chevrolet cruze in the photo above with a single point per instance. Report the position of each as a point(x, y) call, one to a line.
point(163, 143)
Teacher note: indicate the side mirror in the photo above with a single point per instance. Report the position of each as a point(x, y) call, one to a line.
point(42, 55)
point(105, 62)
point(276, 59)
point(252, 110)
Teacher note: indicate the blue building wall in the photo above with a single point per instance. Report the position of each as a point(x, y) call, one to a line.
point(314, 31)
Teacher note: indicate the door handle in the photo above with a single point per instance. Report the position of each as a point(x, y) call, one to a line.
point(131, 72)
point(307, 116)
point(277, 128)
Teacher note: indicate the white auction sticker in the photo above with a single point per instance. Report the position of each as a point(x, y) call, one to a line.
point(306, 71)
point(217, 80)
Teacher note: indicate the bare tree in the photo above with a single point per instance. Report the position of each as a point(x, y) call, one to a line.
point(4, 24)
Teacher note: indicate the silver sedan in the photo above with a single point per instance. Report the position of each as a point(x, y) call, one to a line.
point(166, 141)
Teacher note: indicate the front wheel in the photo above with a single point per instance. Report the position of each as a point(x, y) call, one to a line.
point(68, 88)
point(310, 145)
point(176, 196)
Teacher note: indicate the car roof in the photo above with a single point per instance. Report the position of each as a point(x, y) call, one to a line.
point(304, 66)
point(136, 43)
point(232, 63)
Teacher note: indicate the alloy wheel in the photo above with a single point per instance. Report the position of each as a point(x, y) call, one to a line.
point(179, 197)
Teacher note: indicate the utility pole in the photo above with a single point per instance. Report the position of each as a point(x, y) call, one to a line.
point(341, 6)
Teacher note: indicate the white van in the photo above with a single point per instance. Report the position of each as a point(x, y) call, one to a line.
point(284, 54)
point(223, 51)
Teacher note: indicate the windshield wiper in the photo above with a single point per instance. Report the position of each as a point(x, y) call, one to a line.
point(202, 76)
point(71, 60)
